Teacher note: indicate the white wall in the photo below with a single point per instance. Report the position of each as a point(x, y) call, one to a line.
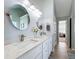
point(62, 26)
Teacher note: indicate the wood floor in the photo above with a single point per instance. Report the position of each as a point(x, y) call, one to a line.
point(60, 51)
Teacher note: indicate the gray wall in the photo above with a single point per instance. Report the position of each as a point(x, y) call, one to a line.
point(48, 16)
point(68, 32)
point(72, 15)
point(45, 6)
point(11, 34)
point(73, 23)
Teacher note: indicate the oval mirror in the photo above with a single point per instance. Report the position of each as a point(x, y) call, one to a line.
point(19, 17)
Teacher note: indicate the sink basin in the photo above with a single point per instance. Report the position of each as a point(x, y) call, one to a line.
point(25, 43)
point(35, 39)
point(20, 45)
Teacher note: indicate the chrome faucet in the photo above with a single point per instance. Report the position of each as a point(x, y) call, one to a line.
point(22, 37)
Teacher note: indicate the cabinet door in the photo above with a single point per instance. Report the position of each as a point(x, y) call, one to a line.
point(45, 54)
point(39, 56)
point(26, 56)
point(50, 45)
point(45, 50)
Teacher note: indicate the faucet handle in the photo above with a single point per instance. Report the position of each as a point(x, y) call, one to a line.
point(22, 37)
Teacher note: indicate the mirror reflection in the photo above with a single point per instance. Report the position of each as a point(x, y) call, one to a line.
point(19, 17)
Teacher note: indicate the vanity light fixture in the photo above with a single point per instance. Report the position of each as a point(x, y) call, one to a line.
point(35, 11)
point(26, 2)
point(32, 7)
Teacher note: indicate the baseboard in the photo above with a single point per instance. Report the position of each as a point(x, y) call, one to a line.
point(73, 49)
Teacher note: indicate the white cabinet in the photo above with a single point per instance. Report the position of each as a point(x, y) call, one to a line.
point(45, 50)
point(45, 54)
point(42, 51)
point(39, 56)
point(50, 45)
point(35, 53)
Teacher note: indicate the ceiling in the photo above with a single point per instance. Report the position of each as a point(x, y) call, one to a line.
point(62, 8)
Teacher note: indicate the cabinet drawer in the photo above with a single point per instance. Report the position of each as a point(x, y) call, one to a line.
point(37, 49)
point(32, 53)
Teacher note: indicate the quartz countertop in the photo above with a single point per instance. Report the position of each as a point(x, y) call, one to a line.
point(14, 50)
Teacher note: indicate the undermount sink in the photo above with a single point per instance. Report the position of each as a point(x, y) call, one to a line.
point(25, 43)
point(20, 45)
point(35, 39)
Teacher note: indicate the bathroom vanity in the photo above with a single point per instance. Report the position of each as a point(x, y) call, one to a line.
point(22, 18)
point(36, 48)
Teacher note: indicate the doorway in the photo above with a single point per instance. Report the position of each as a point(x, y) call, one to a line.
point(62, 31)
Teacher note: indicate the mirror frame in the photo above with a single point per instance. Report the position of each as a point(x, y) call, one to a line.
point(15, 6)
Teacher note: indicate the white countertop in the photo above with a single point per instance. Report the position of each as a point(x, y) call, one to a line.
point(14, 50)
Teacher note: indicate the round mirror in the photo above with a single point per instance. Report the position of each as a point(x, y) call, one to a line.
point(19, 17)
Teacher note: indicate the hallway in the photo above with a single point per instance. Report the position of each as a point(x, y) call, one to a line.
point(60, 51)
